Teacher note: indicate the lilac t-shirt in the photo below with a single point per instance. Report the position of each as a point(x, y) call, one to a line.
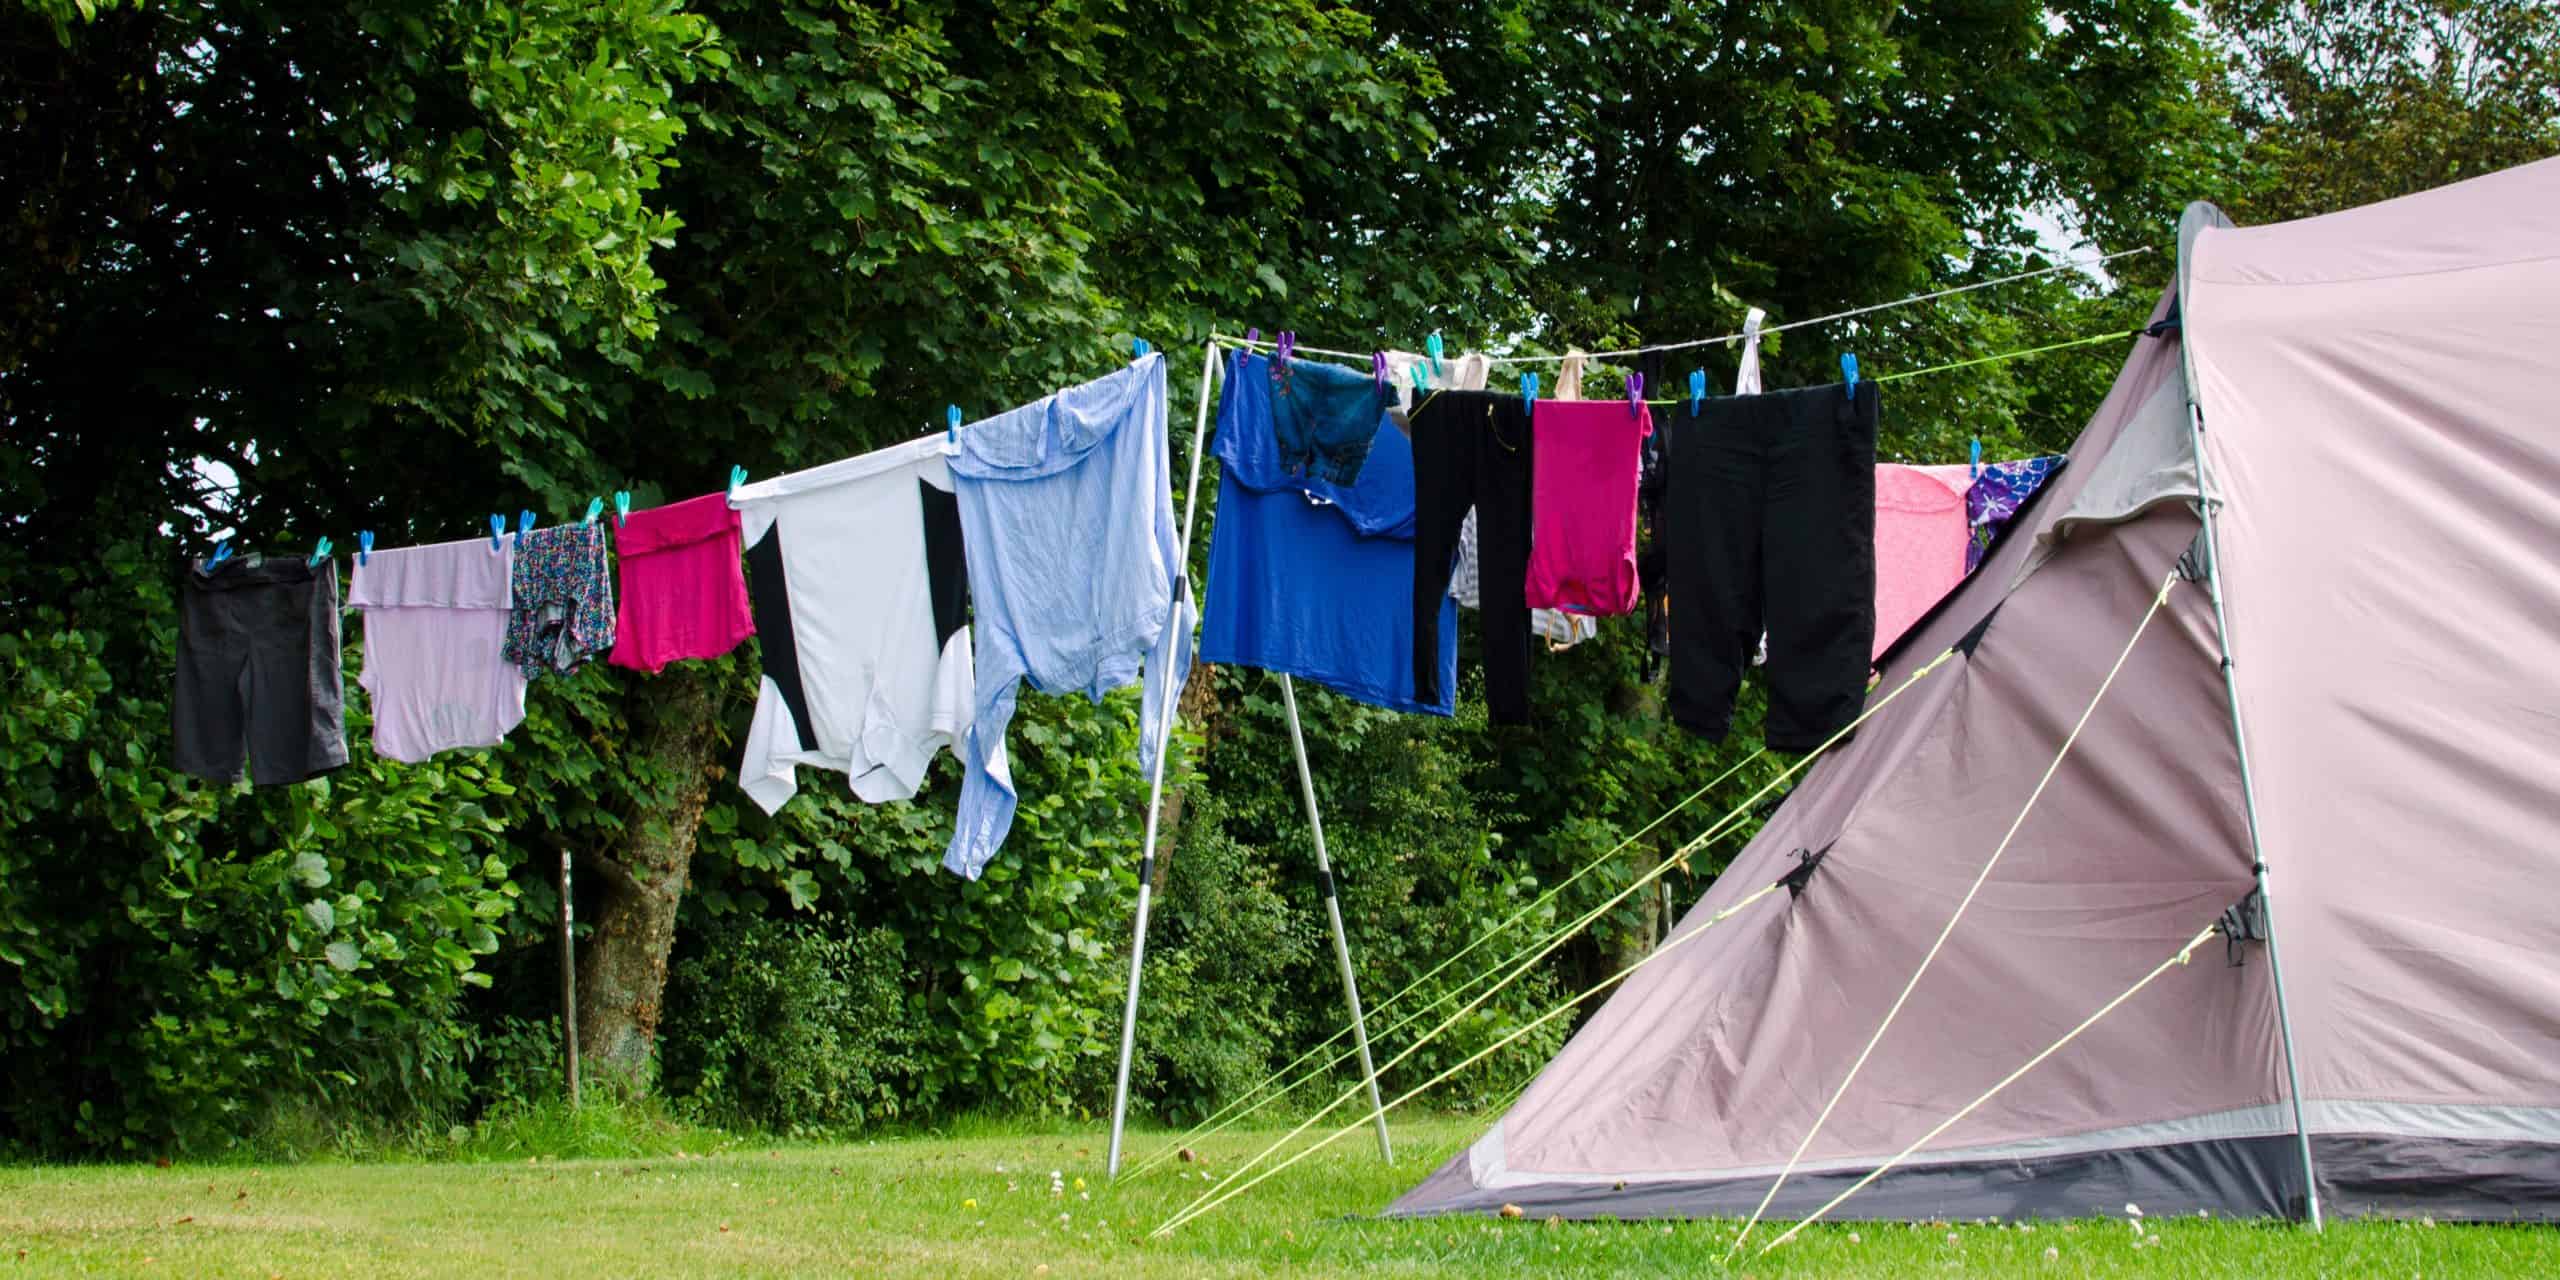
point(435, 619)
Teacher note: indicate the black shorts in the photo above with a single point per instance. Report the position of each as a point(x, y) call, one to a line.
point(258, 670)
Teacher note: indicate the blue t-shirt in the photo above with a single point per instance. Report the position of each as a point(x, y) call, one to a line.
point(1313, 579)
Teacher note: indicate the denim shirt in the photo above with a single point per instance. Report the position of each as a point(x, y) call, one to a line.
point(1066, 510)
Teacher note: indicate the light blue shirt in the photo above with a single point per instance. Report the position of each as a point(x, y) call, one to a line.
point(1066, 506)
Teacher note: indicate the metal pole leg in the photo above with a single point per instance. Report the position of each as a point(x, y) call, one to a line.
point(1333, 916)
point(1155, 783)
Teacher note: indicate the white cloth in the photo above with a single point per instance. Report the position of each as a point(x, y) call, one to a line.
point(1746, 381)
point(884, 690)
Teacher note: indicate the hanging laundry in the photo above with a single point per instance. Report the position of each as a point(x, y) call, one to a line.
point(258, 670)
point(1569, 374)
point(1582, 548)
point(1322, 589)
point(435, 631)
point(1921, 539)
point(1324, 417)
point(1770, 516)
point(682, 594)
point(860, 597)
point(1997, 495)
point(1073, 559)
point(1562, 630)
point(563, 612)
point(1469, 373)
point(1472, 449)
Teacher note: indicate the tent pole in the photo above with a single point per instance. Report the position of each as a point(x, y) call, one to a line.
point(2249, 806)
point(1333, 916)
point(1155, 781)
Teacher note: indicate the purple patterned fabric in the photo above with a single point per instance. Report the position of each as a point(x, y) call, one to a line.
point(1999, 489)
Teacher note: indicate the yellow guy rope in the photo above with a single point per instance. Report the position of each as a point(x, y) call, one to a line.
point(1722, 825)
point(2012, 1078)
point(1258, 1099)
point(1198, 1208)
point(2157, 600)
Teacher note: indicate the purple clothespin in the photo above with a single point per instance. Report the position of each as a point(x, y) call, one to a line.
point(1635, 394)
point(1378, 370)
point(1252, 336)
point(1288, 343)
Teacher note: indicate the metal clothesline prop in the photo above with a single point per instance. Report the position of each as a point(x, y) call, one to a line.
point(1163, 717)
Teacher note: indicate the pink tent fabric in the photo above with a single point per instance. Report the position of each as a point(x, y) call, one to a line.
point(2375, 393)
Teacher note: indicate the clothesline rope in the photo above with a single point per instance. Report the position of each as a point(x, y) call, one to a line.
point(2158, 600)
point(2012, 1078)
point(1205, 1202)
point(1256, 1098)
point(1731, 338)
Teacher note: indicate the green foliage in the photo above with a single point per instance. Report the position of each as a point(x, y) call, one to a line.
point(179, 955)
point(790, 1028)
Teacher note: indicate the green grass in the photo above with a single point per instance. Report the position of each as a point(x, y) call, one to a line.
point(903, 1208)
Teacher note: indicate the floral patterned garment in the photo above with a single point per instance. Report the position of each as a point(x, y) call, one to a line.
point(563, 609)
point(1998, 491)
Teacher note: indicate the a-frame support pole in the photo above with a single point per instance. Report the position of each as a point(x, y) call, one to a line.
point(1163, 717)
point(2249, 804)
point(1333, 916)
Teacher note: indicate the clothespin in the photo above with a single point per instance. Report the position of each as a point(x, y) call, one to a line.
point(595, 507)
point(1253, 335)
point(1976, 473)
point(1528, 392)
point(319, 552)
point(1138, 348)
point(1432, 345)
point(1378, 371)
point(1288, 343)
point(364, 546)
point(950, 423)
point(221, 552)
point(1421, 380)
point(524, 525)
point(1849, 373)
point(1697, 391)
point(497, 530)
point(737, 477)
point(621, 507)
point(1635, 395)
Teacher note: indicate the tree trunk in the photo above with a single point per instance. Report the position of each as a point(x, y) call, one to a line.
point(622, 969)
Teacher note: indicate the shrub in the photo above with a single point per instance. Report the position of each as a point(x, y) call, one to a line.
point(789, 1027)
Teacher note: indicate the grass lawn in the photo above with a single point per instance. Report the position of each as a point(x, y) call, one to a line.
point(905, 1208)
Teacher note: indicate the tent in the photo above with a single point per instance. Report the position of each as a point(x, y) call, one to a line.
point(2375, 396)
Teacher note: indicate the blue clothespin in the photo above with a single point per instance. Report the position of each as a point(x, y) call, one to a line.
point(1635, 395)
point(319, 552)
point(1849, 373)
point(1432, 345)
point(737, 477)
point(221, 552)
point(497, 530)
point(1421, 380)
point(1976, 473)
point(1138, 349)
point(951, 423)
point(1528, 392)
point(1697, 391)
point(524, 525)
point(364, 546)
point(621, 507)
point(595, 507)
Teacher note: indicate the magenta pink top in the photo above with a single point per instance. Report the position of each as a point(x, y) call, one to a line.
point(1582, 530)
point(1921, 535)
point(683, 594)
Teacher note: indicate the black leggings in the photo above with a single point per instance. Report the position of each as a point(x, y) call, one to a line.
point(1770, 513)
point(258, 671)
point(1471, 449)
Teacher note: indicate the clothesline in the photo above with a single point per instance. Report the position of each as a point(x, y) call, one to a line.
point(1731, 338)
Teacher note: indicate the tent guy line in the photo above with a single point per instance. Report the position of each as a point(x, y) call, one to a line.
point(1715, 830)
point(2158, 600)
point(1256, 1099)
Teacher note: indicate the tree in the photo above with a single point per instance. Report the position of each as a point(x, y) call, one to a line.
point(2347, 102)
